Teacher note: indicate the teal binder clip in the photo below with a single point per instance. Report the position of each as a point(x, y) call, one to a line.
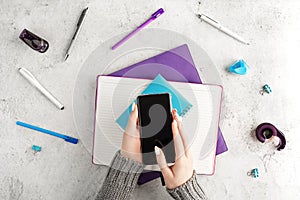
point(267, 89)
point(239, 67)
point(253, 173)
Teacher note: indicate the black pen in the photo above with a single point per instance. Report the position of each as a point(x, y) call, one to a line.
point(78, 27)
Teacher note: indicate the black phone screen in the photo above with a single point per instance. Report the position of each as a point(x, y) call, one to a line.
point(155, 121)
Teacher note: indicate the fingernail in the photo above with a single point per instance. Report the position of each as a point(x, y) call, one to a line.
point(132, 106)
point(157, 150)
point(179, 118)
point(175, 122)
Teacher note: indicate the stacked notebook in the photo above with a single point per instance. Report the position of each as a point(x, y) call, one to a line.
point(174, 65)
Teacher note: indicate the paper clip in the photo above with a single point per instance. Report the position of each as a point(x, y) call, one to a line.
point(253, 173)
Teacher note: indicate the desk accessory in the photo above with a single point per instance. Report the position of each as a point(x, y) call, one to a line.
point(36, 148)
point(267, 131)
point(33, 41)
point(148, 21)
point(218, 26)
point(78, 28)
point(42, 130)
point(253, 173)
point(239, 67)
point(29, 76)
point(265, 89)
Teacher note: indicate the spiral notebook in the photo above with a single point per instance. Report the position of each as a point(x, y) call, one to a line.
point(157, 86)
point(200, 124)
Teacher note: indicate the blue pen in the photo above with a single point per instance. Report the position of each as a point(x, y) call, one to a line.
point(65, 137)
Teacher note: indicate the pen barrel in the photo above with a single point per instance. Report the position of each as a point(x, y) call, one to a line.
point(127, 37)
point(78, 28)
point(43, 90)
point(36, 128)
point(132, 33)
point(146, 23)
point(41, 130)
point(223, 29)
point(70, 47)
point(46, 93)
point(232, 34)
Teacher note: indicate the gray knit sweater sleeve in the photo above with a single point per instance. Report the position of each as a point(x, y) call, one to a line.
point(121, 179)
point(123, 175)
point(189, 190)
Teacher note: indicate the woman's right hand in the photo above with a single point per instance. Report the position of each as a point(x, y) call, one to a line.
point(182, 170)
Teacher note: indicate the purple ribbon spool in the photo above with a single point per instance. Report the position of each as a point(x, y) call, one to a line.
point(266, 131)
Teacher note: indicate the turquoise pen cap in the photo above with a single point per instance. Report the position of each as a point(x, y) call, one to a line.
point(71, 140)
point(239, 67)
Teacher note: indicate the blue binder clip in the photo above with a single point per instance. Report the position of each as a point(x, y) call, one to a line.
point(253, 173)
point(239, 67)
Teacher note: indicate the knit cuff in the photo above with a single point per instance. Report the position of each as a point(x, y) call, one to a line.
point(124, 164)
point(121, 179)
point(189, 190)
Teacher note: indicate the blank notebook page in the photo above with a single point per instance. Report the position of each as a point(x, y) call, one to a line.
point(200, 124)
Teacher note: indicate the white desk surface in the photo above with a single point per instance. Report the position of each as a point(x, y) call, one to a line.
point(65, 171)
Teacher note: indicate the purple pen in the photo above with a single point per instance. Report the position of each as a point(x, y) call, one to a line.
point(152, 18)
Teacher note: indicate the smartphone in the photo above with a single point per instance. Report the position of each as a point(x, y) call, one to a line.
point(155, 123)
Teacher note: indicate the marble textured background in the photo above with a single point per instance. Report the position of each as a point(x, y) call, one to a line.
point(64, 171)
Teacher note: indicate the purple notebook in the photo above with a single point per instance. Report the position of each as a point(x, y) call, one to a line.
point(175, 65)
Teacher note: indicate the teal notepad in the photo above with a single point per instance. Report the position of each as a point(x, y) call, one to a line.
point(157, 86)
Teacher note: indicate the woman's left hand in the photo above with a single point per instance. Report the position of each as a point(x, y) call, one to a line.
point(131, 144)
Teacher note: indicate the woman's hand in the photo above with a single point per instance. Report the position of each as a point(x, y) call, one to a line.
point(182, 170)
point(131, 145)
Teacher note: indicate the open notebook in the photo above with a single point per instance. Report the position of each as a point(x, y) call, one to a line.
point(200, 124)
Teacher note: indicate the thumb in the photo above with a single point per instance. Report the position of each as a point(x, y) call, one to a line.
point(161, 160)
